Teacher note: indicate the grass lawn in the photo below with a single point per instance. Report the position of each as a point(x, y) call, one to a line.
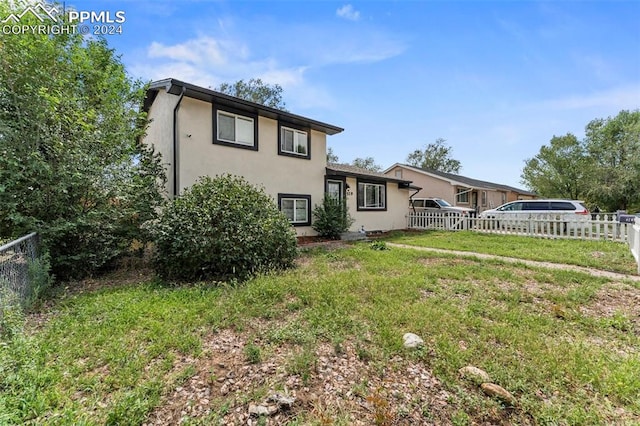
point(604, 255)
point(565, 344)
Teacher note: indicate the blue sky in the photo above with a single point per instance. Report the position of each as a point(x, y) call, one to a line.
point(496, 79)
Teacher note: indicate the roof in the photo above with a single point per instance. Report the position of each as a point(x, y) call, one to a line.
point(463, 180)
point(334, 169)
point(176, 87)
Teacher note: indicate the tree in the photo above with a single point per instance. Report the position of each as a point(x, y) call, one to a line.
point(613, 147)
point(435, 156)
point(255, 90)
point(558, 170)
point(71, 166)
point(603, 168)
point(331, 157)
point(366, 163)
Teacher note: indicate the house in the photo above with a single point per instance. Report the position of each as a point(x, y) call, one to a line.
point(375, 201)
point(458, 190)
point(200, 132)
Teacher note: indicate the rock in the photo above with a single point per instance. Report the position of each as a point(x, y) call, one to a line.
point(224, 389)
point(474, 374)
point(412, 340)
point(258, 410)
point(499, 392)
point(283, 401)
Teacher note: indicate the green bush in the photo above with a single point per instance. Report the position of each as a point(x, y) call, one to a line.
point(222, 228)
point(331, 218)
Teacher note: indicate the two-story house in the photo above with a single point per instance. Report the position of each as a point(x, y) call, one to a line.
point(200, 132)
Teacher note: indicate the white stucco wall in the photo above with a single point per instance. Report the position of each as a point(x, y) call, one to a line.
point(375, 220)
point(199, 156)
point(159, 132)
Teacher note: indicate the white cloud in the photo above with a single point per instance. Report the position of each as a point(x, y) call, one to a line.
point(618, 98)
point(348, 12)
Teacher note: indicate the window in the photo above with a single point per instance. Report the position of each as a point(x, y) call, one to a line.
point(561, 205)
point(462, 196)
point(517, 206)
point(372, 196)
point(504, 198)
point(294, 142)
point(295, 207)
point(399, 173)
point(334, 189)
point(483, 199)
point(234, 129)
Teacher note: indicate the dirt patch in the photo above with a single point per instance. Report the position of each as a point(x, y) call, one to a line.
point(337, 381)
point(619, 303)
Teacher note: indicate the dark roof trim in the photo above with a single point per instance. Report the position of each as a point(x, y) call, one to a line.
point(357, 172)
point(175, 87)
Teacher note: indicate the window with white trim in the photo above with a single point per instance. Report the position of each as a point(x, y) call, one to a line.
point(462, 196)
point(372, 196)
point(295, 208)
point(235, 129)
point(294, 142)
point(484, 199)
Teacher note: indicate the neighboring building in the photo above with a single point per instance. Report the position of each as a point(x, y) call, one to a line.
point(201, 132)
point(458, 190)
point(375, 201)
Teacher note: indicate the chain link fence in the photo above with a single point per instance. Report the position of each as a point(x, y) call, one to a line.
point(17, 260)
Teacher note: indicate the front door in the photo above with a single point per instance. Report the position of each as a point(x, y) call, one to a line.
point(474, 200)
point(335, 189)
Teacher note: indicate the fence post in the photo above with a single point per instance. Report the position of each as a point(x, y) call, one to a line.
point(633, 238)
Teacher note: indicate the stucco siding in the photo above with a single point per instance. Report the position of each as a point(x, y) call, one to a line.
point(159, 132)
point(393, 218)
point(199, 156)
point(431, 187)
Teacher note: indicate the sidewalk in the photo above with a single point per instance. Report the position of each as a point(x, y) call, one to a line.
point(591, 271)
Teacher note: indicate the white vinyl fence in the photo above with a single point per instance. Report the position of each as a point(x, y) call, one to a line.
point(600, 227)
point(597, 227)
point(634, 241)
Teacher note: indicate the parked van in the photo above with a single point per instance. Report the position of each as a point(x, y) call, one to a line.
point(515, 212)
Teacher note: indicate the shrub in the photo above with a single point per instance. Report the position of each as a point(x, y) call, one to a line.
point(222, 228)
point(331, 218)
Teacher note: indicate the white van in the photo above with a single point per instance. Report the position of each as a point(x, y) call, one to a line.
point(518, 212)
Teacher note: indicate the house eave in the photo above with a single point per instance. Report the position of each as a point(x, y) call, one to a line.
point(175, 87)
point(330, 171)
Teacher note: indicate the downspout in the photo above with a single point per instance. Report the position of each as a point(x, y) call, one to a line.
point(175, 142)
point(411, 199)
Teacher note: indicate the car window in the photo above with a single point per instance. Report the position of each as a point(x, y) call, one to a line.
point(431, 203)
point(536, 205)
point(562, 205)
point(443, 203)
point(418, 203)
point(512, 207)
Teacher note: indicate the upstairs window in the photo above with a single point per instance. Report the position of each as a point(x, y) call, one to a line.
point(234, 129)
point(294, 142)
